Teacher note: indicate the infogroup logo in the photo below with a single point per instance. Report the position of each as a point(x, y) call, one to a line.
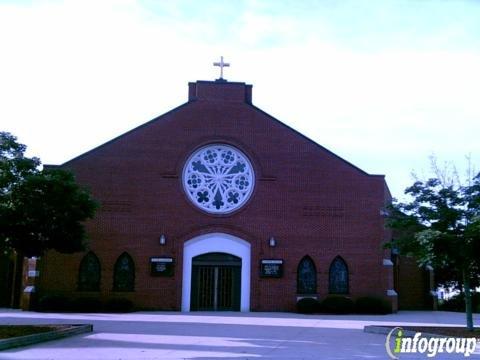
point(431, 346)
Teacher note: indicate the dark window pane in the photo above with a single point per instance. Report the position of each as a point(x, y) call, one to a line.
point(89, 273)
point(124, 274)
point(306, 277)
point(338, 277)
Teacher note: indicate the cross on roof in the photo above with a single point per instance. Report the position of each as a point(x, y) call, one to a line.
point(221, 64)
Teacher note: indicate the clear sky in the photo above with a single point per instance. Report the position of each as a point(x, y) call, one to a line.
point(383, 84)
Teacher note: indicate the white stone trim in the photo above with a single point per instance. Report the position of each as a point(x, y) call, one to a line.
point(307, 297)
point(391, 292)
point(216, 242)
point(387, 262)
point(33, 273)
point(218, 178)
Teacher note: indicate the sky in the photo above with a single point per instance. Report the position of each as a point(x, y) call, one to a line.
point(383, 84)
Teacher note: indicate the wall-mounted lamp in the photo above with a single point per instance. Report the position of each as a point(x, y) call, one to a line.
point(272, 242)
point(163, 240)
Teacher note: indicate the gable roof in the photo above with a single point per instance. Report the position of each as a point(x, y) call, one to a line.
point(298, 133)
point(192, 100)
point(124, 134)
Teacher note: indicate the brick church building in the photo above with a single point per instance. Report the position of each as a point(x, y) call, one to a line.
point(217, 205)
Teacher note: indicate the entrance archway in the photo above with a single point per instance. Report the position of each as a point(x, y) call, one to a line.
point(216, 250)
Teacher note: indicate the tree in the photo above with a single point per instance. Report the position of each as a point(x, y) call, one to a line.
point(39, 209)
point(440, 227)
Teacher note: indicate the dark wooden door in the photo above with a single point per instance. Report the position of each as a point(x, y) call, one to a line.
point(7, 274)
point(216, 281)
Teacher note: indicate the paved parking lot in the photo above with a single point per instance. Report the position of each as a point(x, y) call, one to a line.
point(174, 335)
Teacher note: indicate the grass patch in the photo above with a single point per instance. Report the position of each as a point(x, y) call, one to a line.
point(10, 331)
point(445, 331)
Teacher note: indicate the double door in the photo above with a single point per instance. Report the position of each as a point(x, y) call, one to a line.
point(216, 281)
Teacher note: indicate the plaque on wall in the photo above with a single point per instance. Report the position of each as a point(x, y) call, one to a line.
point(271, 268)
point(161, 266)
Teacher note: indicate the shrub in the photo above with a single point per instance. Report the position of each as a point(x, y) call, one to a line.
point(457, 303)
point(337, 304)
point(50, 303)
point(372, 305)
point(307, 305)
point(87, 305)
point(119, 306)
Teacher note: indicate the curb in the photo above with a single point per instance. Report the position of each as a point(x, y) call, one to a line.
point(73, 329)
point(408, 333)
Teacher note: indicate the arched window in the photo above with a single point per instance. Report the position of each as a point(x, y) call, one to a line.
point(338, 276)
point(306, 276)
point(124, 273)
point(89, 273)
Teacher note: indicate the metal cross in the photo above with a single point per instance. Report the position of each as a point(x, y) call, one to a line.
point(222, 65)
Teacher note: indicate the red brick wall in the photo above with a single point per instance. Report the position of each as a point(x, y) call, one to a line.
point(413, 286)
point(310, 200)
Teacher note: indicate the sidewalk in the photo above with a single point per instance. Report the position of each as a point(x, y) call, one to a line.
point(174, 335)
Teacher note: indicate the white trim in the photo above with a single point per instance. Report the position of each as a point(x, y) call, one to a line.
point(307, 297)
point(216, 242)
point(217, 178)
point(391, 293)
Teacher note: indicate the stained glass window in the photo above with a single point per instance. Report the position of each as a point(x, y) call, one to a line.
point(338, 276)
point(306, 276)
point(218, 178)
point(124, 274)
point(89, 273)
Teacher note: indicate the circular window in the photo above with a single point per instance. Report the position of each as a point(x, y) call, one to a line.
point(218, 178)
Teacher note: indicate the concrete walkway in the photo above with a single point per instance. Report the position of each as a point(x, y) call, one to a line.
point(173, 335)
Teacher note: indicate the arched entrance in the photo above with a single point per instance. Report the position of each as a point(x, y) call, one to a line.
point(216, 282)
point(216, 273)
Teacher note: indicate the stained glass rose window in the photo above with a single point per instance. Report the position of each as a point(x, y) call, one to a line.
point(218, 178)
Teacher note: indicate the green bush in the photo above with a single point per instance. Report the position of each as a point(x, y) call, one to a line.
point(119, 306)
point(86, 304)
point(337, 304)
point(457, 303)
point(372, 305)
point(307, 305)
point(49, 303)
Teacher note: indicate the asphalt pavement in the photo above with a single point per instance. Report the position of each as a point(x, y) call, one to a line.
point(229, 335)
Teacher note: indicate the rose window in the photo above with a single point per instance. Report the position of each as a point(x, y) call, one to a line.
point(218, 178)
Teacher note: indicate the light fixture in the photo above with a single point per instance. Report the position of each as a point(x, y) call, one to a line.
point(163, 240)
point(272, 242)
